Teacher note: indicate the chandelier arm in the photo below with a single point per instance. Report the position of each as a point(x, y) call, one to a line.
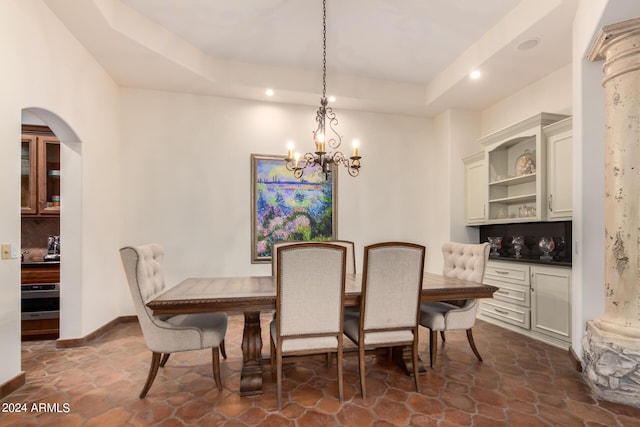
point(353, 171)
point(335, 139)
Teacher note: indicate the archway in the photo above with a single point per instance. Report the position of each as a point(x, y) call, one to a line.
point(70, 218)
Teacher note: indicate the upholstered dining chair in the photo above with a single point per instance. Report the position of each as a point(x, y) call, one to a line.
point(144, 269)
point(389, 303)
point(462, 261)
point(310, 284)
point(350, 266)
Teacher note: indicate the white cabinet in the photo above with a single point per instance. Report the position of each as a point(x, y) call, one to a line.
point(516, 175)
point(534, 300)
point(551, 302)
point(475, 182)
point(559, 170)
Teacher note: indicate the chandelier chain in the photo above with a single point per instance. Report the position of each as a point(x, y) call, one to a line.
point(324, 48)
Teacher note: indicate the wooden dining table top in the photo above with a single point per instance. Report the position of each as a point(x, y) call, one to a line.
point(252, 293)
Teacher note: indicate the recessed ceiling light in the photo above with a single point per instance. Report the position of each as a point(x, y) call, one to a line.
point(332, 99)
point(474, 75)
point(269, 92)
point(528, 44)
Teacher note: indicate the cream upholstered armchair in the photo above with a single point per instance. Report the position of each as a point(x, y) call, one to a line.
point(462, 261)
point(143, 266)
point(310, 283)
point(390, 302)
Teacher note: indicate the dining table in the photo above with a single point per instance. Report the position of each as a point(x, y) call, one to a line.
point(252, 295)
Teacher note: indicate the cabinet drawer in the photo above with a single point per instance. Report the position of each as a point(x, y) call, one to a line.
point(46, 274)
point(40, 329)
point(513, 294)
point(506, 272)
point(518, 316)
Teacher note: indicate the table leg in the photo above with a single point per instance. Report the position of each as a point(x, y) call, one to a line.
point(403, 358)
point(251, 377)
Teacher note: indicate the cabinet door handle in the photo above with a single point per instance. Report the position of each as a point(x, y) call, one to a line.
point(501, 311)
point(551, 202)
point(501, 272)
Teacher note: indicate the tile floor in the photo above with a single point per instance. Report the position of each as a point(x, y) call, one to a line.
point(522, 382)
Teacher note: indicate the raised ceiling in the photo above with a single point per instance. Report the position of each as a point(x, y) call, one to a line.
point(402, 56)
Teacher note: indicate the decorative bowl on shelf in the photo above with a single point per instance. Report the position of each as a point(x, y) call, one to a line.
point(526, 211)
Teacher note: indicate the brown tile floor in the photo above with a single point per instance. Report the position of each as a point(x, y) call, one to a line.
point(522, 382)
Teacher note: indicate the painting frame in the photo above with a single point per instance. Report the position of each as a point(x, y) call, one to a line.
point(286, 208)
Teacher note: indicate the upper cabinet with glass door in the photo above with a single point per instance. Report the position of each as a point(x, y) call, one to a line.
point(40, 184)
point(516, 158)
point(28, 172)
point(49, 175)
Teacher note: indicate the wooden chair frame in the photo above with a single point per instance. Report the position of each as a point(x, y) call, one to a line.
point(362, 331)
point(277, 346)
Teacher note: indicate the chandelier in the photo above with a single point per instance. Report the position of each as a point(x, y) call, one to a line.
point(327, 153)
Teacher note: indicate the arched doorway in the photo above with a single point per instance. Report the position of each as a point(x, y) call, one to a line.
point(70, 216)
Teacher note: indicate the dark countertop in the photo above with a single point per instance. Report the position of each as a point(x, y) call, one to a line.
point(531, 260)
point(39, 263)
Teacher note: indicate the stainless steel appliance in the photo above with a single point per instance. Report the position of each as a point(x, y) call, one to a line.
point(53, 249)
point(41, 301)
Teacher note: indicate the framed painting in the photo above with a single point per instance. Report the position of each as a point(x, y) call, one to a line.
point(286, 208)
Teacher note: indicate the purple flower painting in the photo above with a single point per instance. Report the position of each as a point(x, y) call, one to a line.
point(286, 208)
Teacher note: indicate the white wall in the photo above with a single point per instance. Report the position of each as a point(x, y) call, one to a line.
point(186, 173)
point(47, 70)
point(551, 94)
point(457, 132)
point(465, 131)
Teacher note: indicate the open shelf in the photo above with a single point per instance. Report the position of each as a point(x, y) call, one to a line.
point(524, 198)
point(515, 180)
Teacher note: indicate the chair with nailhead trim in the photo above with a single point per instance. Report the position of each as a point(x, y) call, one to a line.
point(462, 261)
point(144, 268)
point(310, 283)
point(389, 304)
point(350, 268)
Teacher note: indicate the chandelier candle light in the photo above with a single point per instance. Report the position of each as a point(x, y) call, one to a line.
point(326, 119)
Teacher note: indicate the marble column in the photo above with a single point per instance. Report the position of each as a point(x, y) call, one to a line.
point(611, 345)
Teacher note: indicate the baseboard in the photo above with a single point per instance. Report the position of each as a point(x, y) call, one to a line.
point(12, 385)
point(577, 363)
point(80, 342)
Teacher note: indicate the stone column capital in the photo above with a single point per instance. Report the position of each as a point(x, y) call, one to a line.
point(619, 46)
point(608, 34)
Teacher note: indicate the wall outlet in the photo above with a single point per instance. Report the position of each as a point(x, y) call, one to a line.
point(6, 251)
